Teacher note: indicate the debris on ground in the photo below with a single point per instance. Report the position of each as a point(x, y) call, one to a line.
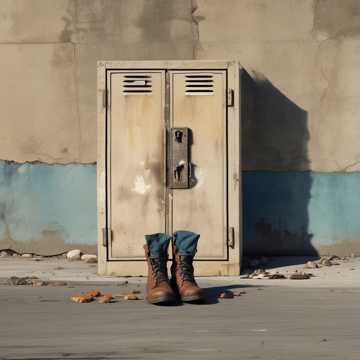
point(89, 258)
point(81, 299)
point(311, 265)
point(73, 255)
point(94, 293)
point(28, 256)
point(259, 274)
point(300, 275)
point(227, 294)
point(33, 281)
point(131, 296)
point(25, 280)
point(39, 282)
point(276, 276)
point(329, 260)
point(7, 252)
point(262, 274)
point(86, 297)
point(105, 299)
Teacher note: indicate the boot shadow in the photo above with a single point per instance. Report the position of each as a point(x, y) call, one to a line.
point(178, 302)
point(211, 294)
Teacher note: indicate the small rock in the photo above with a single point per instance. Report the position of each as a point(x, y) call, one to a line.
point(131, 296)
point(298, 275)
point(259, 274)
point(73, 255)
point(326, 262)
point(311, 265)
point(277, 275)
point(89, 258)
point(39, 282)
point(227, 294)
point(334, 257)
point(4, 254)
point(27, 256)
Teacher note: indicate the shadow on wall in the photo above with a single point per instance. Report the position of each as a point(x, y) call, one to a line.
point(276, 177)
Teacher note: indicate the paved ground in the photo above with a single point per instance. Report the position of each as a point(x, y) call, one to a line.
point(265, 323)
point(292, 320)
point(347, 274)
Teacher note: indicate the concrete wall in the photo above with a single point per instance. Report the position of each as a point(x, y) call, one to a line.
point(48, 54)
point(300, 152)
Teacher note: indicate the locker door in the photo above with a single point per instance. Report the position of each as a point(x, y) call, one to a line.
point(136, 160)
point(198, 108)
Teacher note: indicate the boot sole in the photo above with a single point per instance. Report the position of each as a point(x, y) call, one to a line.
point(163, 300)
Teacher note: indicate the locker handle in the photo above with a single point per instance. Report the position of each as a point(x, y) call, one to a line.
point(179, 159)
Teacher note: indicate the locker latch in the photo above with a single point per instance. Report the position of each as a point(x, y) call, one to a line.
point(179, 159)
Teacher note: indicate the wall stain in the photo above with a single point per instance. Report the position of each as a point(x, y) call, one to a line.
point(69, 23)
point(337, 18)
point(277, 241)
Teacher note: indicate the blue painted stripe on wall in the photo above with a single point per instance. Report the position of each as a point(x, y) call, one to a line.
point(35, 197)
point(284, 212)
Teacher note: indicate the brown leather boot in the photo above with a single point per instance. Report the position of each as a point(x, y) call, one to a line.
point(158, 288)
point(183, 280)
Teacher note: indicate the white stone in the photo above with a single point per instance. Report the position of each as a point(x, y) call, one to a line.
point(73, 255)
point(89, 258)
point(26, 255)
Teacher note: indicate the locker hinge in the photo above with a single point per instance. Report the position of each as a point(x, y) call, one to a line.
point(106, 236)
point(231, 237)
point(230, 97)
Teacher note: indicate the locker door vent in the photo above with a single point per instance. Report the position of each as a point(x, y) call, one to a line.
point(137, 84)
point(199, 84)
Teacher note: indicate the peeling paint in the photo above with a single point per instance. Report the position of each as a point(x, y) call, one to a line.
point(140, 186)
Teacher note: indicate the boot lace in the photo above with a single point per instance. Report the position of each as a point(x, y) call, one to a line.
point(159, 269)
point(186, 269)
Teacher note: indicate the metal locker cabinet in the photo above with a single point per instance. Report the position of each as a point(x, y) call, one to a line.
point(169, 159)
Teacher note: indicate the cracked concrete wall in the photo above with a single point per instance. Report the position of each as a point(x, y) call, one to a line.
point(48, 60)
point(304, 61)
point(308, 53)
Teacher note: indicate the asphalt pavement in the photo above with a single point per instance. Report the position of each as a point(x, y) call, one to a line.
point(266, 322)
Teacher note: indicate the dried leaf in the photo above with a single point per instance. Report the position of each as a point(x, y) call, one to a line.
point(105, 299)
point(81, 298)
point(93, 293)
